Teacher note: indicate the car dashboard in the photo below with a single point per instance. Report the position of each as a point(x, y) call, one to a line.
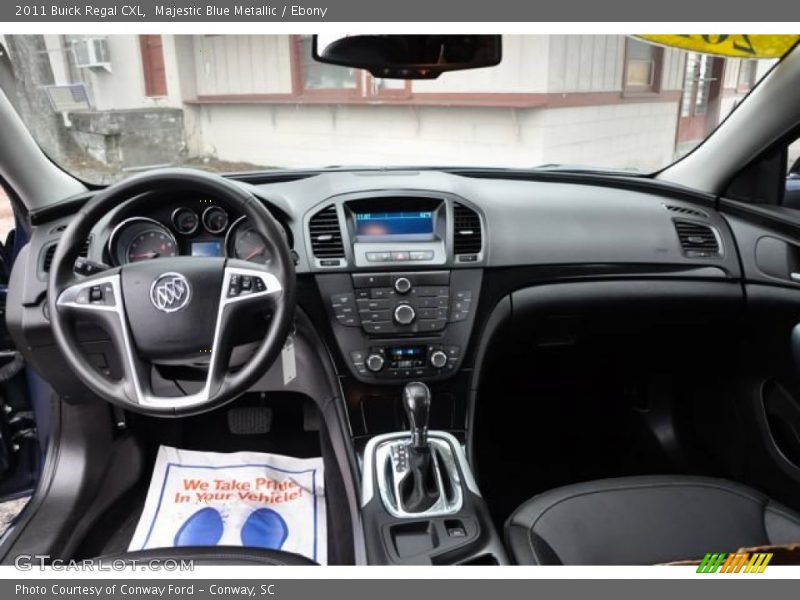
point(397, 261)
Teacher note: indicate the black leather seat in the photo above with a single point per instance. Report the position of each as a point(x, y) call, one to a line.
point(645, 520)
point(211, 555)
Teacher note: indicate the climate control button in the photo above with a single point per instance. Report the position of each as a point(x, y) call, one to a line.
point(438, 359)
point(404, 314)
point(375, 362)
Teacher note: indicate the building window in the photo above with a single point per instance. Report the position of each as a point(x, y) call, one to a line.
point(155, 74)
point(642, 67)
point(319, 77)
point(747, 75)
point(697, 86)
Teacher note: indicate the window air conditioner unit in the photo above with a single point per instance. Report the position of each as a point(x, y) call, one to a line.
point(92, 53)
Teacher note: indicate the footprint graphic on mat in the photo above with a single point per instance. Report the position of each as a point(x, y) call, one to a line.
point(264, 528)
point(203, 528)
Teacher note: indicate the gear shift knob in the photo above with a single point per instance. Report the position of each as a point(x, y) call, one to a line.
point(417, 404)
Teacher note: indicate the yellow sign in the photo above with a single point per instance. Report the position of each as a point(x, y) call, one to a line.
point(736, 45)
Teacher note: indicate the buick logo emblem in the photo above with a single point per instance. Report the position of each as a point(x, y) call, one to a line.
point(170, 292)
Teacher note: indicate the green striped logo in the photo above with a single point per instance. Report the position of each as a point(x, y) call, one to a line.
point(739, 562)
point(711, 563)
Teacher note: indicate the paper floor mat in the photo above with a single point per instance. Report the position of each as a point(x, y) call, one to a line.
point(238, 499)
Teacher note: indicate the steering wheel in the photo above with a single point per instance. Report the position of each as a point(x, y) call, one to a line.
point(172, 310)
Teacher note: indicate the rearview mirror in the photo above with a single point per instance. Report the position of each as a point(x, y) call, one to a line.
point(409, 56)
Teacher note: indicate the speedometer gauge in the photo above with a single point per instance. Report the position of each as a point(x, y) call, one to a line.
point(150, 244)
point(141, 238)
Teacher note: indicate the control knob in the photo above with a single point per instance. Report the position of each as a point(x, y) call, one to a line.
point(404, 314)
point(438, 359)
point(375, 362)
point(402, 285)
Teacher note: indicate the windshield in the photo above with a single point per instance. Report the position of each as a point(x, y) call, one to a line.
point(104, 107)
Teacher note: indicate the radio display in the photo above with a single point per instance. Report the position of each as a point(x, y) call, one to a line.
point(416, 224)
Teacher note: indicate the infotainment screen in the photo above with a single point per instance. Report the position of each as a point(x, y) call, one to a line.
point(406, 224)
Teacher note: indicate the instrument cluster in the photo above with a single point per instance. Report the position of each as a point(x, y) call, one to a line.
point(197, 228)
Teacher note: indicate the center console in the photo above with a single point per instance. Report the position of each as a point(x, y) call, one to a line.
point(420, 503)
point(402, 298)
point(400, 279)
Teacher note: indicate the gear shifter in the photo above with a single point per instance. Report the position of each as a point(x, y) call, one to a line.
point(419, 490)
point(418, 472)
point(417, 404)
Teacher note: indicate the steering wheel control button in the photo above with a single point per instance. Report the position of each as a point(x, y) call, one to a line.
point(242, 285)
point(404, 314)
point(82, 297)
point(402, 285)
point(170, 292)
point(235, 286)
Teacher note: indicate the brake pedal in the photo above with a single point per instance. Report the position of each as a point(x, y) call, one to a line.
point(249, 420)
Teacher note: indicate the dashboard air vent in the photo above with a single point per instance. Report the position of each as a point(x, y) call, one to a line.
point(51, 251)
point(685, 210)
point(697, 240)
point(326, 234)
point(467, 235)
